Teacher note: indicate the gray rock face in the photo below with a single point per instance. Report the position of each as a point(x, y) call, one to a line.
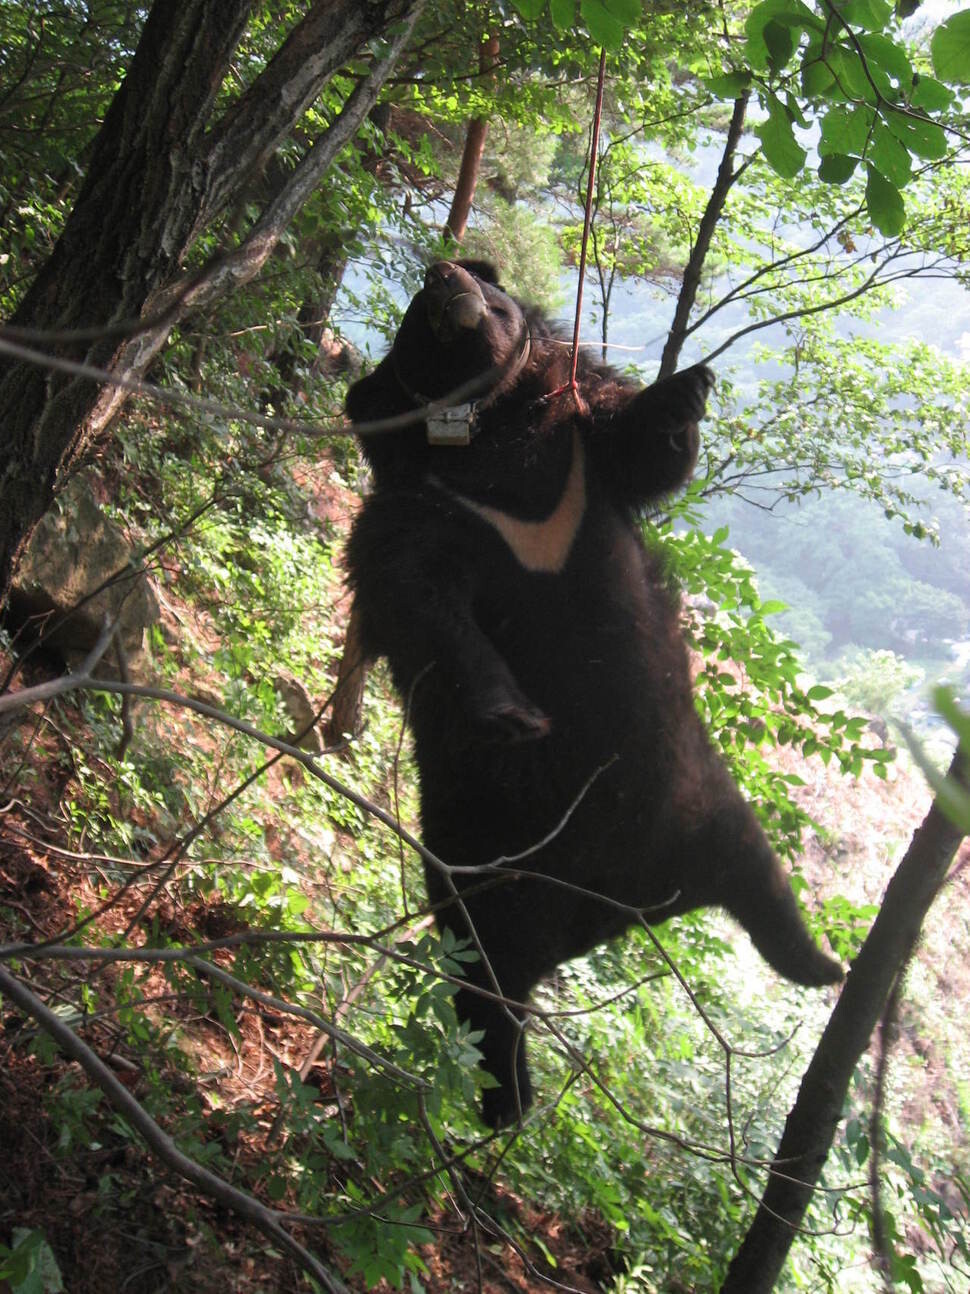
point(75, 550)
point(301, 712)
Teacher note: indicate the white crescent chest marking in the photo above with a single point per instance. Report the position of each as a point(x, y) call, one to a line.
point(542, 546)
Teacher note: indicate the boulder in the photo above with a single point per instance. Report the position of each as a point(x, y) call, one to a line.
point(79, 569)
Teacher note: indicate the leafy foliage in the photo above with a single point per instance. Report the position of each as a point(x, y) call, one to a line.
point(841, 193)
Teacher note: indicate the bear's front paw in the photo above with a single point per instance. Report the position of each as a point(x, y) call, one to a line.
point(687, 392)
point(510, 717)
point(512, 722)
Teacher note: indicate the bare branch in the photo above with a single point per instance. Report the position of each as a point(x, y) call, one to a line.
point(726, 176)
point(812, 1121)
point(242, 265)
point(324, 40)
point(166, 395)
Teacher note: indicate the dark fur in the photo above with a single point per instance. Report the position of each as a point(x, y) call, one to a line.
point(525, 685)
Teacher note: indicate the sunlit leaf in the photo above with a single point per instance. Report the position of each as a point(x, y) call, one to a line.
point(871, 14)
point(782, 151)
point(817, 78)
point(882, 53)
point(930, 95)
point(950, 49)
point(851, 74)
point(887, 211)
point(922, 137)
point(836, 168)
point(845, 130)
point(775, 13)
point(603, 26)
point(889, 156)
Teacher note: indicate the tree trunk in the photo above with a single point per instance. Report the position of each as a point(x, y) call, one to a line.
point(136, 205)
point(471, 158)
point(312, 317)
point(812, 1122)
point(155, 180)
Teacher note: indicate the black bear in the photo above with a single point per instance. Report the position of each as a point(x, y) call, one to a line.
point(499, 568)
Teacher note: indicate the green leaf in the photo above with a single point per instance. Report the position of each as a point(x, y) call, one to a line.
point(629, 12)
point(782, 152)
point(791, 13)
point(950, 49)
point(530, 9)
point(795, 114)
point(836, 168)
point(775, 13)
point(563, 14)
point(817, 78)
point(871, 14)
point(781, 41)
point(889, 156)
point(885, 54)
point(604, 28)
point(922, 137)
point(729, 84)
point(951, 798)
point(772, 607)
point(887, 211)
point(959, 720)
point(930, 95)
point(819, 692)
point(851, 74)
point(845, 130)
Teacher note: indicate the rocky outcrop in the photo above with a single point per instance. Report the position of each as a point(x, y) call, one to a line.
point(79, 570)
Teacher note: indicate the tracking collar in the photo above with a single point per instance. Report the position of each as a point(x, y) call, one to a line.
point(457, 424)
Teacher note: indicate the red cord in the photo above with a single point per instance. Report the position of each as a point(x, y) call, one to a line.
point(593, 148)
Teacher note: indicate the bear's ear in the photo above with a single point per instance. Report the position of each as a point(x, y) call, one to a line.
point(483, 270)
point(367, 398)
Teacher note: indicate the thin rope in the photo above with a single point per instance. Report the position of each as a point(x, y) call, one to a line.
point(593, 149)
point(572, 385)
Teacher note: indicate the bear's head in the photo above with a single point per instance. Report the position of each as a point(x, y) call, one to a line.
point(461, 335)
point(462, 343)
point(461, 327)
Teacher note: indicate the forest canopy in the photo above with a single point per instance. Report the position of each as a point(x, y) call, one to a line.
point(230, 1056)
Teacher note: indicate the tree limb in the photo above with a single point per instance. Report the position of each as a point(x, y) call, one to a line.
point(812, 1121)
point(244, 264)
point(250, 131)
point(726, 176)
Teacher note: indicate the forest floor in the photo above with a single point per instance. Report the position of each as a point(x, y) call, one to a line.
point(116, 1221)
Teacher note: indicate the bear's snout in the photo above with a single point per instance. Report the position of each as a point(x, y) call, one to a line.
point(453, 299)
